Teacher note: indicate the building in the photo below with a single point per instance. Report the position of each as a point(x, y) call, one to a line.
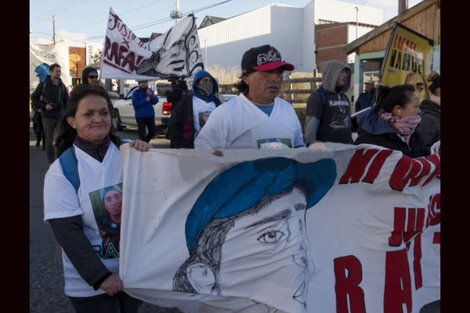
point(290, 29)
point(423, 18)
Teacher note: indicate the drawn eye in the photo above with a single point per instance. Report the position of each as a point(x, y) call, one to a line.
point(271, 236)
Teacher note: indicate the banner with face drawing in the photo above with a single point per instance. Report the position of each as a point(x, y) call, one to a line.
point(279, 230)
point(175, 53)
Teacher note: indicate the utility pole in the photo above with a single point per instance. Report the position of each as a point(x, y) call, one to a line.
point(53, 29)
point(176, 13)
point(402, 6)
point(357, 20)
point(53, 26)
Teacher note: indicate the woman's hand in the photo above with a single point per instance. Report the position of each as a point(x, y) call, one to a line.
point(112, 285)
point(140, 145)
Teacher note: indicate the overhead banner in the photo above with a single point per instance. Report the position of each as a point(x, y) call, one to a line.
point(49, 54)
point(176, 53)
point(295, 230)
point(408, 58)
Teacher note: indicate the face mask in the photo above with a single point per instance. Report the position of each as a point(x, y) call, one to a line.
point(205, 88)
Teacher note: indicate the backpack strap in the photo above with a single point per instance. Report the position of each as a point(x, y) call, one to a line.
point(68, 162)
point(322, 93)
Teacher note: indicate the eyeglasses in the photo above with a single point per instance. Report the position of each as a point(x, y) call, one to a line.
point(94, 77)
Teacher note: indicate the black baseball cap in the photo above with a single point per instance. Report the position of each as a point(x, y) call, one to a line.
point(264, 58)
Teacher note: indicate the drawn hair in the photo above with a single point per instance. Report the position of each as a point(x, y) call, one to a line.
point(208, 249)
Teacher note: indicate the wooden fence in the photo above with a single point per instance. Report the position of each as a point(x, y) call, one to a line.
point(294, 90)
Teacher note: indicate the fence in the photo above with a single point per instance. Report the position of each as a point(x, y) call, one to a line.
point(294, 90)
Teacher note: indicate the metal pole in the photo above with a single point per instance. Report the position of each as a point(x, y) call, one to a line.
point(177, 9)
point(53, 29)
point(357, 20)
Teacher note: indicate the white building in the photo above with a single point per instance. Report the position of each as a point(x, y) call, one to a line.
point(290, 29)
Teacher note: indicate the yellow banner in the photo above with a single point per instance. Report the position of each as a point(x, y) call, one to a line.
point(408, 60)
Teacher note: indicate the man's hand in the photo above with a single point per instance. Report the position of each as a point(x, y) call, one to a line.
point(112, 285)
point(140, 145)
point(49, 107)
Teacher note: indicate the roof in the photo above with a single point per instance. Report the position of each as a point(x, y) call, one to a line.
point(353, 45)
point(209, 20)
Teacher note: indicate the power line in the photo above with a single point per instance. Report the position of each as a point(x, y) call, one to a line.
point(125, 14)
point(161, 21)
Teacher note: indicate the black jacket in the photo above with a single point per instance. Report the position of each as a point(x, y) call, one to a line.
point(392, 141)
point(181, 125)
point(364, 100)
point(430, 127)
point(375, 131)
point(56, 96)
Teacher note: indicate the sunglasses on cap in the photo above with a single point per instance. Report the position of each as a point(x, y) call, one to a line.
point(93, 76)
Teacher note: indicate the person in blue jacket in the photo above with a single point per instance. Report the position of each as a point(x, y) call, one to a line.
point(143, 100)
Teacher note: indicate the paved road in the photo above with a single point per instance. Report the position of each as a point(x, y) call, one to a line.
point(45, 265)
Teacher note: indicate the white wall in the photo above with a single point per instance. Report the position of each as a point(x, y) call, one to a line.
point(361, 30)
point(308, 38)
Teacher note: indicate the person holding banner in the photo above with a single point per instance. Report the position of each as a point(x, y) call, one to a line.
point(143, 100)
point(328, 109)
point(392, 122)
point(257, 118)
point(89, 161)
point(190, 114)
point(430, 127)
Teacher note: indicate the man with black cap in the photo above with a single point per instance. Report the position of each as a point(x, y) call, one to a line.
point(257, 118)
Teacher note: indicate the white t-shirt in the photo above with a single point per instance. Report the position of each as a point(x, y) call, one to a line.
point(201, 112)
point(61, 201)
point(238, 123)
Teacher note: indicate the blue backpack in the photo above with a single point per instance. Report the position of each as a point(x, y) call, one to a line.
point(68, 162)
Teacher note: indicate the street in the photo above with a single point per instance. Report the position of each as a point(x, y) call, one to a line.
point(45, 265)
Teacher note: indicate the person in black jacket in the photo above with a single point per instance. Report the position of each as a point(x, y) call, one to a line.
point(391, 123)
point(365, 99)
point(430, 127)
point(51, 96)
point(179, 87)
point(192, 111)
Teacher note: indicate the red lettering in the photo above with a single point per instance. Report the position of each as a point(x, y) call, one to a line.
point(348, 276)
point(417, 254)
point(414, 221)
point(358, 164)
point(412, 171)
point(396, 238)
point(434, 215)
point(436, 161)
point(376, 166)
point(397, 282)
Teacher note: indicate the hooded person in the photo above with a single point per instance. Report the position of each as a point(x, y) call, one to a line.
point(90, 76)
point(328, 108)
point(193, 110)
point(392, 121)
point(430, 127)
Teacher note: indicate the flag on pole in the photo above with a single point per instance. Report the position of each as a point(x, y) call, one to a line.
point(174, 54)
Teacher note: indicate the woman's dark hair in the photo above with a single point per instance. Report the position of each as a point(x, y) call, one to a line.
point(67, 133)
point(435, 80)
point(388, 97)
point(86, 72)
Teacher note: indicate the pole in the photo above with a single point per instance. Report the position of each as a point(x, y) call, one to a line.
point(53, 29)
point(357, 20)
point(205, 48)
point(177, 9)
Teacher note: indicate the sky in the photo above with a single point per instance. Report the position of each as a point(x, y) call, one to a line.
point(79, 21)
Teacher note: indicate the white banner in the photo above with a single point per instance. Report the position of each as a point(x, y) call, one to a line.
point(58, 53)
point(294, 230)
point(175, 53)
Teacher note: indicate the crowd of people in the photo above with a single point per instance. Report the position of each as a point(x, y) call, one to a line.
point(83, 150)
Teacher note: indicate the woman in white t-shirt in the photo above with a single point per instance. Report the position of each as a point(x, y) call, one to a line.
point(89, 161)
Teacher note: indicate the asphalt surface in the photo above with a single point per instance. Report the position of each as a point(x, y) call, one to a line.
point(45, 265)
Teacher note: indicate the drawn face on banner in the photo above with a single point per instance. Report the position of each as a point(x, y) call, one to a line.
point(276, 231)
point(417, 80)
point(268, 240)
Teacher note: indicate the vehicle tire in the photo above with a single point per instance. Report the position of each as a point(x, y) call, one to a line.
point(116, 120)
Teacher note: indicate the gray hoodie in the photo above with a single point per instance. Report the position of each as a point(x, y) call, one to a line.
point(332, 121)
